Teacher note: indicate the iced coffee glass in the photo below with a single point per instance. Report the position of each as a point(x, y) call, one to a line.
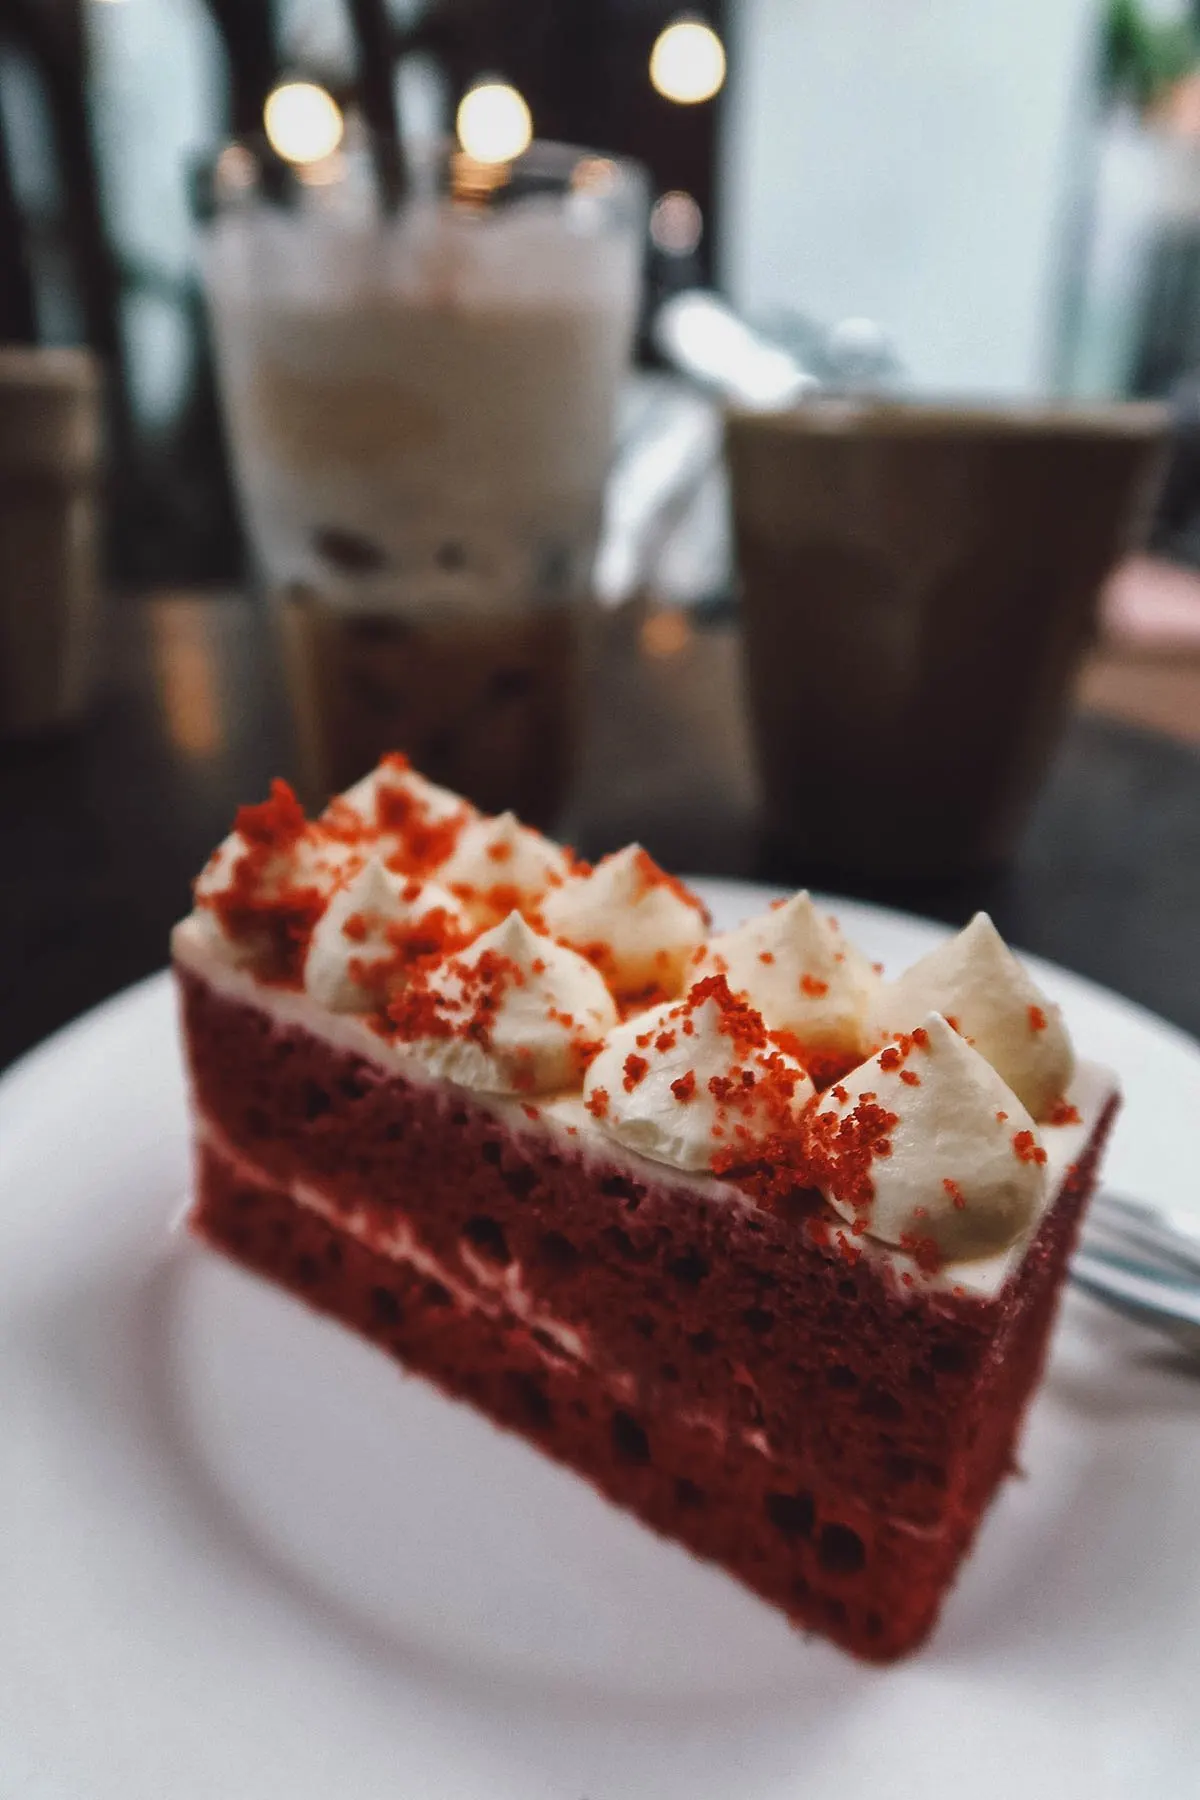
point(420, 406)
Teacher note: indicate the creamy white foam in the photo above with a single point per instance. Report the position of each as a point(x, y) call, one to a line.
point(363, 370)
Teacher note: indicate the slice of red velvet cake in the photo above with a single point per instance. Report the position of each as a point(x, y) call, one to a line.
point(763, 1245)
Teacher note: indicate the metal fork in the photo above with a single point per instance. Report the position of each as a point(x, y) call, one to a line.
point(1132, 1260)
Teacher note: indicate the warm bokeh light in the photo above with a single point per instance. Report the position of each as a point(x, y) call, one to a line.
point(303, 122)
point(676, 223)
point(493, 123)
point(687, 63)
point(665, 633)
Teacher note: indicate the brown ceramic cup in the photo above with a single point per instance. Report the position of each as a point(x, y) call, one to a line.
point(49, 600)
point(918, 586)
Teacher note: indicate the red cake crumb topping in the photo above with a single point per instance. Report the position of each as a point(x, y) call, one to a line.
point(275, 824)
point(502, 898)
point(741, 1023)
point(468, 1008)
point(1063, 1113)
point(425, 843)
point(274, 918)
point(842, 1147)
point(1037, 1019)
point(955, 1192)
point(924, 1252)
point(755, 1121)
point(1026, 1148)
point(412, 945)
point(823, 1067)
point(421, 1012)
point(597, 1103)
point(814, 988)
point(402, 812)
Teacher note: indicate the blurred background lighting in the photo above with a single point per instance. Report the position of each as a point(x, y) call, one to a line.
point(676, 224)
point(303, 122)
point(687, 63)
point(594, 175)
point(236, 169)
point(493, 123)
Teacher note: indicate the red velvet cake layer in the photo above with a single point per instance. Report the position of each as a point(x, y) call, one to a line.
point(705, 1363)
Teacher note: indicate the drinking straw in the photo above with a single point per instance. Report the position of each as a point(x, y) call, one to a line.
point(377, 89)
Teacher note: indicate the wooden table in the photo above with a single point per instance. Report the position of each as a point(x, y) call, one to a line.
point(101, 832)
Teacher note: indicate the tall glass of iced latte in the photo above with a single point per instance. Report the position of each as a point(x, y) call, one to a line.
point(420, 406)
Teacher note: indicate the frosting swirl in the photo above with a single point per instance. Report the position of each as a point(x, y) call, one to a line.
point(514, 1013)
point(795, 966)
point(374, 928)
point(694, 1083)
point(976, 982)
point(500, 866)
point(411, 823)
point(924, 1147)
point(640, 926)
point(261, 892)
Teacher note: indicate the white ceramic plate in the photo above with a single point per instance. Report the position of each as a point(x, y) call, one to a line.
point(242, 1556)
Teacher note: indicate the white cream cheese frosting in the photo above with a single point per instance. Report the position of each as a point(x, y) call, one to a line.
point(498, 864)
point(640, 928)
point(311, 862)
point(677, 1085)
point(796, 967)
point(318, 922)
point(976, 982)
point(393, 778)
point(514, 1013)
point(353, 955)
point(925, 1145)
